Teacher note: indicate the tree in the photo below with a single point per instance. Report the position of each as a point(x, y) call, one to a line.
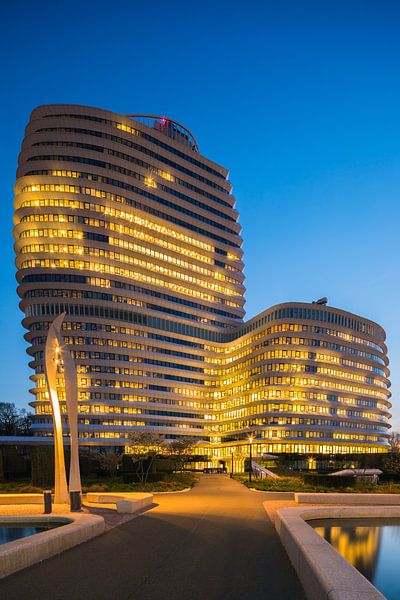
point(14, 421)
point(143, 448)
point(391, 464)
point(394, 441)
point(109, 462)
point(180, 449)
point(42, 466)
point(25, 424)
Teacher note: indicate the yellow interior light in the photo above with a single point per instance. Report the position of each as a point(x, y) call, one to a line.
point(149, 181)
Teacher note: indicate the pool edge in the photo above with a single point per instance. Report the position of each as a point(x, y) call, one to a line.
point(25, 552)
point(323, 572)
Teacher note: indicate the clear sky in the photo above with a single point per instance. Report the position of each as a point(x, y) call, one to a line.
point(300, 100)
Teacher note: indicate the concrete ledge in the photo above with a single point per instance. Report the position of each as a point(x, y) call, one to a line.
point(28, 551)
point(323, 572)
point(343, 498)
point(126, 506)
point(275, 495)
point(21, 499)
point(138, 501)
point(174, 491)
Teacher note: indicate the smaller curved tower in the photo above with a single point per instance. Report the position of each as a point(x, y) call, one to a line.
point(305, 378)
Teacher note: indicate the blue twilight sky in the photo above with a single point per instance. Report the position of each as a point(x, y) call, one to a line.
point(300, 100)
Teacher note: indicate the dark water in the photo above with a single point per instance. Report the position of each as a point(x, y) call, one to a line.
point(9, 533)
point(371, 545)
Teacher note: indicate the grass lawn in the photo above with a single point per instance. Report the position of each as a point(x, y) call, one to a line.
point(171, 483)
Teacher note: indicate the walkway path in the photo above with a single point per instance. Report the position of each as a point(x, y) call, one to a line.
point(212, 543)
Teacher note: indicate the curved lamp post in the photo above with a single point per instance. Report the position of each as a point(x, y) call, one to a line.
point(55, 352)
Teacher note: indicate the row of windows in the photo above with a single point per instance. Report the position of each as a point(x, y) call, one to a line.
point(136, 161)
point(130, 260)
point(81, 265)
point(107, 211)
point(138, 205)
point(114, 422)
point(296, 421)
point(306, 342)
point(137, 132)
point(134, 288)
point(317, 315)
point(190, 266)
point(112, 328)
point(278, 417)
point(326, 436)
point(316, 401)
point(38, 310)
point(296, 355)
point(147, 194)
point(251, 347)
point(123, 411)
point(134, 146)
point(137, 234)
point(118, 343)
point(315, 342)
point(301, 368)
point(163, 363)
point(74, 293)
point(139, 177)
point(103, 296)
point(302, 381)
point(116, 357)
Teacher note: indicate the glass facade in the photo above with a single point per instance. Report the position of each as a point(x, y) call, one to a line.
point(124, 225)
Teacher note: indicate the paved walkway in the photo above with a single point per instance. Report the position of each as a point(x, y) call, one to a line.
point(212, 543)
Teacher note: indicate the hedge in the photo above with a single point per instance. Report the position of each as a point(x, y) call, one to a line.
point(334, 481)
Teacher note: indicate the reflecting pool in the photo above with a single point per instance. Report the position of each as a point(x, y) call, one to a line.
point(371, 545)
point(15, 531)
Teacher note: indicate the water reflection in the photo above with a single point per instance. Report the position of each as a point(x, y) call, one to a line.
point(9, 533)
point(371, 546)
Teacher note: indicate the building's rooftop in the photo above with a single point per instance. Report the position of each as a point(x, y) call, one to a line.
point(170, 128)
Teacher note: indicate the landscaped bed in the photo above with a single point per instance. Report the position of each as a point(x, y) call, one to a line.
point(298, 484)
point(170, 483)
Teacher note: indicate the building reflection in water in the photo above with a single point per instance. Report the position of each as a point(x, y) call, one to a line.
point(359, 545)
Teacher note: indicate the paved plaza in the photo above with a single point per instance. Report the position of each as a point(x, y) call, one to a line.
point(214, 542)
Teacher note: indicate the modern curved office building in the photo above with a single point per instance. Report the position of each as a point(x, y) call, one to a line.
point(304, 378)
point(124, 225)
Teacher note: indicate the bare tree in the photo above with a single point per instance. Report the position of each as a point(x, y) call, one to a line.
point(394, 441)
point(180, 449)
point(109, 462)
point(143, 447)
point(25, 423)
point(14, 421)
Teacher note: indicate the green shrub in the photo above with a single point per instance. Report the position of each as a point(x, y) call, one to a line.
point(135, 478)
point(329, 481)
point(96, 488)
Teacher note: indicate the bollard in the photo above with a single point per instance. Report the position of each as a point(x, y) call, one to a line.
point(75, 501)
point(47, 502)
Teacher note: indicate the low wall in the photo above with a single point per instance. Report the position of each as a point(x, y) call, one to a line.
point(28, 551)
point(323, 572)
point(21, 499)
point(140, 500)
point(357, 499)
